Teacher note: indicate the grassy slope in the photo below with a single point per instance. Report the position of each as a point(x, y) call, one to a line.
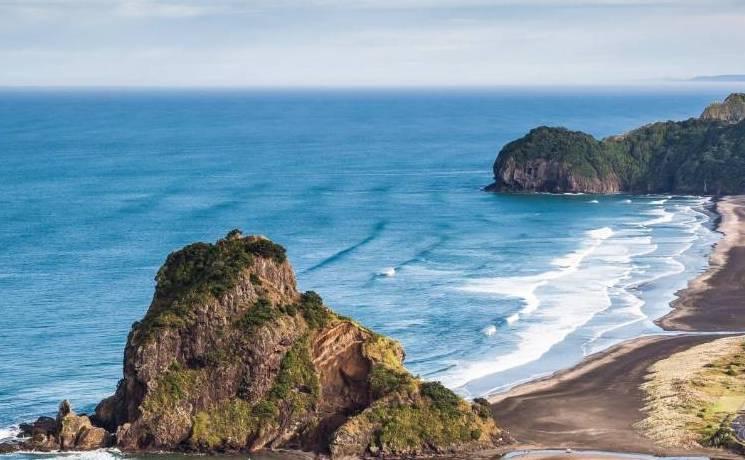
point(692, 396)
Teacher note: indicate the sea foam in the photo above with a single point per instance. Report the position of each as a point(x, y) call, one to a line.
point(596, 294)
point(388, 272)
point(8, 432)
point(557, 302)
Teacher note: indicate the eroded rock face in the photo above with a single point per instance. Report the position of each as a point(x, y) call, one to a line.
point(554, 176)
point(232, 357)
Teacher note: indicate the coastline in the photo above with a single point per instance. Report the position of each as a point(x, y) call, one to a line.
point(712, 300)
point(595, 404)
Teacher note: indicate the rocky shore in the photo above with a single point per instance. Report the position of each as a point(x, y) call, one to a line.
point(231, 357)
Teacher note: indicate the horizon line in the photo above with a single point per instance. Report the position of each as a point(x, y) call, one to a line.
point(637, 84)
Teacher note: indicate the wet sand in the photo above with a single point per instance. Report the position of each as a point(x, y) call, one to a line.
point(595, 404)
point(715, 301)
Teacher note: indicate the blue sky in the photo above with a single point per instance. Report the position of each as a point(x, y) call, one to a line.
point(367, 43)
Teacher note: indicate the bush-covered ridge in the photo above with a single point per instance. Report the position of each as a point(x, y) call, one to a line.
point(703, 156)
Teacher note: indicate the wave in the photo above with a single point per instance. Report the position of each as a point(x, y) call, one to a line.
point(344, 252)
point(594, 201)
point(664, 217)
point(9, 432)
point(663, 201)
point(103, 454)
point(591, 298)
point(523, 287)
point(556, 314)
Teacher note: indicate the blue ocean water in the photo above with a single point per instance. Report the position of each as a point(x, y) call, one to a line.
point(375, 194)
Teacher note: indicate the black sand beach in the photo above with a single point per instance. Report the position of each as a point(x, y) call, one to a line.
point(595, 404)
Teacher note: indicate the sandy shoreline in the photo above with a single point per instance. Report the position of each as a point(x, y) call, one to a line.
point(713, 301)
point(595, 404)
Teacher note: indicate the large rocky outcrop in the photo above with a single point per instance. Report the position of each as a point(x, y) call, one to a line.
point(231, 356)
point(703, 155)
point(520, 170)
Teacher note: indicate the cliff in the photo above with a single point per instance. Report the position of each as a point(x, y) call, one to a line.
point(230, 356)
point(704, 155)
point(732, 110)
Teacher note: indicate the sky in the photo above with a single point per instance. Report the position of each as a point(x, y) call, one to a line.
point(348, 43)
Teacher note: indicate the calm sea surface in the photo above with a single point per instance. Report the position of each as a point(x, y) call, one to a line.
point(375, 194)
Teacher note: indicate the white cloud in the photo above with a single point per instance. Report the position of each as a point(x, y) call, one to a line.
point(330, 42)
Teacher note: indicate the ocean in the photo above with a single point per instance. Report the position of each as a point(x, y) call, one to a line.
point(376, 194)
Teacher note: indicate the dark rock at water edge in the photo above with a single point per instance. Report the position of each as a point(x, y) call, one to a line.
point(68, 431)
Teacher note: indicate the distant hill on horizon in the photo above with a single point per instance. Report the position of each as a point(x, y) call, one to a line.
point(722, 78)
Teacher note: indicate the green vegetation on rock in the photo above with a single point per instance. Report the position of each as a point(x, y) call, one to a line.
point(297, 381)
point(410, 423)
point(201, 271)
point(229, 424)
point(294, 394)
point(704, 155)
point(176, 384)
point(410, 417)
point(313, 310)
point(259, 314)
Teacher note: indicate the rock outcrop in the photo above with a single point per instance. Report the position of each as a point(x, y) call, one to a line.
point(703, 155)
point(732, 110)
point(230, 356)
point(68, 431)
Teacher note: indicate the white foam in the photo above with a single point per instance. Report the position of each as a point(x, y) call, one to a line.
point(90, 455)
point(664, 217)
point(594, 201)
point(658, 201)
point(101, 454)
point(489, 330)
point(8, 432)
point(601, 233)
point(570, 303)
point(589, 296)
point(388, 272)
point(626, 201)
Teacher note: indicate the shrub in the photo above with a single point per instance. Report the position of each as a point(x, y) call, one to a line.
point(442, 398)
point(315, 314)
point(384, 381)
point(263, 247)
point(259, 314)
point(482, 408)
